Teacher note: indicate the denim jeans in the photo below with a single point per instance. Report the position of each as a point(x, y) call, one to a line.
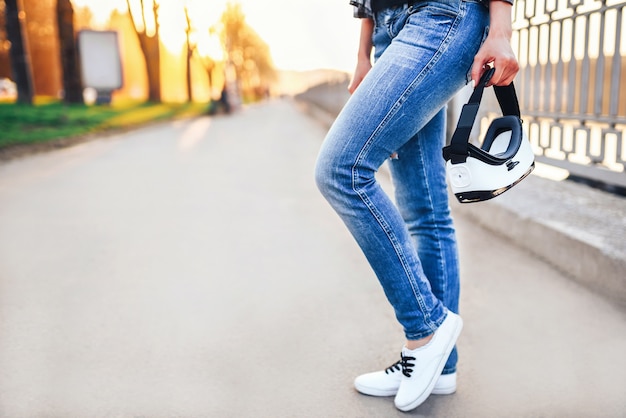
point(424, 54)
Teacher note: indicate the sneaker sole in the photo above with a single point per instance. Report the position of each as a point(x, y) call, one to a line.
point(366, 390)
point(375, 392)
point(443, 391)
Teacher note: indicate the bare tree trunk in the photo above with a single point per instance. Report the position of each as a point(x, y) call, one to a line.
point(209, 72)
point(69, 53)
point(20, 61)
point(5, 62)
point(150, 48)
point(190, 49)
point(153, 66)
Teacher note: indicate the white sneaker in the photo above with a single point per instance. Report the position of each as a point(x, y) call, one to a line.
point(422, 367)
point(386, 382)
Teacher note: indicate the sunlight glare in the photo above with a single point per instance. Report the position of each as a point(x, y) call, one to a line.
point(302, 35)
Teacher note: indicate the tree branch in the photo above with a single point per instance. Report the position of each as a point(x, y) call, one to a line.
point(143, 18)
point(155, 11)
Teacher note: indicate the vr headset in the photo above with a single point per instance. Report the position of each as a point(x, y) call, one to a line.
point(505, 157)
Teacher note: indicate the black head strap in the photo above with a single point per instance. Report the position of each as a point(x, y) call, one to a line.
point(457, 151)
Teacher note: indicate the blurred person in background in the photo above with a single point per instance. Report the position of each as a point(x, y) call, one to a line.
point(425, 52)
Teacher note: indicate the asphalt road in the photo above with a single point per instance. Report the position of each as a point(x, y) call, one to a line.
point(191, 269)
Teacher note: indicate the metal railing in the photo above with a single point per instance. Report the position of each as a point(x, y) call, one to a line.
point(572, 84)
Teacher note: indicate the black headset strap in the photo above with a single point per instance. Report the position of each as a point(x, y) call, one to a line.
point(457, 151)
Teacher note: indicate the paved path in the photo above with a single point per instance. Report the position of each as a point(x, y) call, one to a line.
point(191, 269)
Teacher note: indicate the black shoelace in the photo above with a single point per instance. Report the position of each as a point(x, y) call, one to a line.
point(407, 365)
point(395, 367)
point(404, 364)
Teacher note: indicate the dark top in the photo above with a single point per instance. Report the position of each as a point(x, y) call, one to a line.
point(366, 8)
point(378, 5)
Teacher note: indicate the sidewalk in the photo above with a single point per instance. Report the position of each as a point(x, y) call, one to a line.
point(192, 269)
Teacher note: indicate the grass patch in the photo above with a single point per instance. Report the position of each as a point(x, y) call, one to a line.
point(21, 124)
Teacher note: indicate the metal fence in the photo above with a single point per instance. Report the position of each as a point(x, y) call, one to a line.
point(572, 84)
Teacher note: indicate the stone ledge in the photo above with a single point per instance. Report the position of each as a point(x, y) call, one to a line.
point(579, 230)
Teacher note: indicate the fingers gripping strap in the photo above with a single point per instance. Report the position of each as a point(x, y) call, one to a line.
point(457, 151)
point(477, 95)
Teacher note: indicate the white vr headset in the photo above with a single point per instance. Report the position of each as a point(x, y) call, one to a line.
point(505, 157)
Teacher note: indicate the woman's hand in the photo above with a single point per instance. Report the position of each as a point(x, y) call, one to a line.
point(496, 51)
point(364, 63)
point(362, 68)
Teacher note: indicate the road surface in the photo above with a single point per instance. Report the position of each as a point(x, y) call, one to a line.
point(191, 269)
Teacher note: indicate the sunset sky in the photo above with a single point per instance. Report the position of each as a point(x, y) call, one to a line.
point(302, 34)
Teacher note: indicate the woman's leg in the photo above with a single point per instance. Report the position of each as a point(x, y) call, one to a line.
point(422, 68)
point(418, 174)
point(427, 62)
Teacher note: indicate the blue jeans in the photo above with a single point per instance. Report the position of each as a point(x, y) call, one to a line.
point(423, 56)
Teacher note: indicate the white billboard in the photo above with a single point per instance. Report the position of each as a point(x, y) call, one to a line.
point(100, 61)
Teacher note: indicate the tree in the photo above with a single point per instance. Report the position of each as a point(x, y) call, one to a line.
point(69, 54)
point(209, 65)
point(5, 65)
point(40, 29)
point(247, 53)
point(83, 18)
point(20, 62)
point(150, 47)
point(190, 49)
point(133, 62)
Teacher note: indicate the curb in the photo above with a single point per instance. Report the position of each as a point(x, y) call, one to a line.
point(577, 229)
